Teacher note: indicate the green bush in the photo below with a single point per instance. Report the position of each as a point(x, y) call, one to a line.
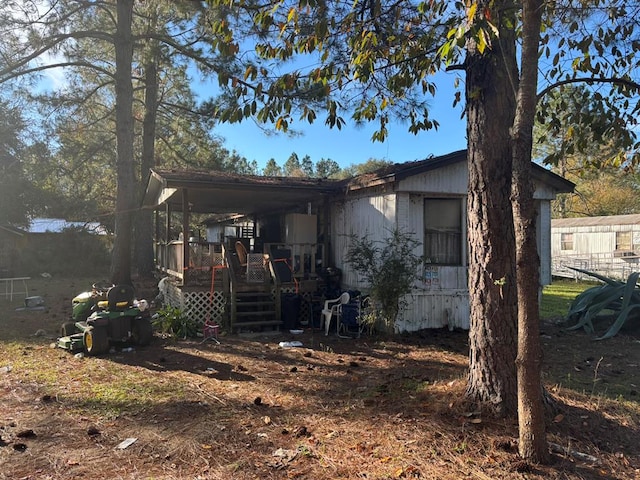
point(172, 321)
point(390, 268)
point(71, 252)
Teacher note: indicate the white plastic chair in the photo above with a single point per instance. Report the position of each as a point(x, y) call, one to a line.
point(333, 307)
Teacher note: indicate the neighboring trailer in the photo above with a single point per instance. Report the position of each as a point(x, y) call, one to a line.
point(609, 245)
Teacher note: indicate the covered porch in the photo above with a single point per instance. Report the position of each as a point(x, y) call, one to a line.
point(266, 245)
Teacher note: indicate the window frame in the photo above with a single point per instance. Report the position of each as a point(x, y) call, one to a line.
point(566, 244)
point(444, 232)
point(626, 246)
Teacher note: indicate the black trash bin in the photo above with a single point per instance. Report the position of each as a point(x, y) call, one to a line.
point(290, 304)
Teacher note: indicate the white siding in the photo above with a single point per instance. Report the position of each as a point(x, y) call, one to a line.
point(440, 298)
point(543, 234)
point(373, 217)
point(444, 308)
point(593, 250)
point(449, 180)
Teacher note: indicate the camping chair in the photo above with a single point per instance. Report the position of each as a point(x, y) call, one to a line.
point(352, 322)
point(241, 251)
point(333, 307)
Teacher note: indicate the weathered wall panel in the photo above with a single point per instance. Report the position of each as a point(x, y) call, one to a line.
point(449, 180)
point(428, 309)
point(373, 217)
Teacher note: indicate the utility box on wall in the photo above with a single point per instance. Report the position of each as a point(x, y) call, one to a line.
point(301, 228)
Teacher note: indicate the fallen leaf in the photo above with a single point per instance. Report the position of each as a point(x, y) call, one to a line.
point(558, 418)
point(267, 420)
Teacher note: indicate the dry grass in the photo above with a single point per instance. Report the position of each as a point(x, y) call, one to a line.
point(375, 408)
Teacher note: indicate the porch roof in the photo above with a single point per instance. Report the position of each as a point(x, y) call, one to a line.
point(230, 193)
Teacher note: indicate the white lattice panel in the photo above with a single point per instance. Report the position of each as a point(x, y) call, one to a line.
point(199, 306)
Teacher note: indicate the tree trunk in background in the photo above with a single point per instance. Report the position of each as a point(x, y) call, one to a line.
point(125, 195)
point(532, 431)
point(144, 219)
point(491, 82)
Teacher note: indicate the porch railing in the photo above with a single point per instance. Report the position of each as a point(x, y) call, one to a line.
point(203, 256)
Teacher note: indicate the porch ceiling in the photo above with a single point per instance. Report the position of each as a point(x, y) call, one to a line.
point(227, 193)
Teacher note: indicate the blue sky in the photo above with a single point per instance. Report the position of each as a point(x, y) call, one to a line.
point(353, 145)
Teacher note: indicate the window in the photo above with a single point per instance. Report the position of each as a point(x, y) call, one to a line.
point(623, 241)
point(566, 241)
point(443, 231)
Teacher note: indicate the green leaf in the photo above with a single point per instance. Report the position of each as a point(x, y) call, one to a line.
point(619, 322)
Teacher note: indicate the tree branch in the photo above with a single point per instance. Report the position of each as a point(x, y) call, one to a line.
point(40, 68)
point(52, 42)
point(590, 80)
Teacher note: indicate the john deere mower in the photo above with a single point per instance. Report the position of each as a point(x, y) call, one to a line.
point(107, 314)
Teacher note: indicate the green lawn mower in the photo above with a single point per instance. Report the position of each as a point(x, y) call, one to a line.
point(107, 314)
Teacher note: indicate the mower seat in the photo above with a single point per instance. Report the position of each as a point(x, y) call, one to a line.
point(119, 298)
point(104, 305)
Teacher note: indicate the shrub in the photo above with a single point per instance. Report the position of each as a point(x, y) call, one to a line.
point(390, 267)
point(172, 321)
point(623, 298)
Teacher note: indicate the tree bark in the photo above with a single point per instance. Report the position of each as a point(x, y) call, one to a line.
point(125, 195)
point(491, 82)
point(144, 220)
point(532, 445)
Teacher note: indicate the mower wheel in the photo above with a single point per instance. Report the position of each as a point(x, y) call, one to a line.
point(68, 328)
point(142, 331)
point(96, 341)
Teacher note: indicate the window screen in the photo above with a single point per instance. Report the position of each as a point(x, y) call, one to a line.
point(566, 241)
point(623, 241)
point(443, 231)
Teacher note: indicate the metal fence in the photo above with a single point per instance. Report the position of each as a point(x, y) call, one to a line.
point(606, 264)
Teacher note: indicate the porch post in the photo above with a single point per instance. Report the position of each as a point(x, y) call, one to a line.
point(167, 224)
point(156, 238)
point(185, 236)
point(326, 261)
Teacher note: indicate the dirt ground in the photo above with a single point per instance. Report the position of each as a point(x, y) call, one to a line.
point(369, 408)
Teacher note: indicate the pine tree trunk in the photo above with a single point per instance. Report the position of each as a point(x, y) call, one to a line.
point(532, 432)
point(490, 96)
point(125, 195)
point(144, 220)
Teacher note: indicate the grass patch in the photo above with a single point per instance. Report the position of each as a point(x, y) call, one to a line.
point(557, 297)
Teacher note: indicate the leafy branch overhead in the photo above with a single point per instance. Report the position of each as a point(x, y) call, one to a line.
point(375, 60)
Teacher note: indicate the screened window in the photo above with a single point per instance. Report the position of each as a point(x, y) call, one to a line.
point(623, 241)
point(566, 241)
point(443, 231)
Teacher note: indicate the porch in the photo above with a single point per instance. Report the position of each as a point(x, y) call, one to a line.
point(215, 285)
point(282, 229)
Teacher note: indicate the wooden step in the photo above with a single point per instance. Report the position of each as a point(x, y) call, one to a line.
point(268, 323)
point(256, 313)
